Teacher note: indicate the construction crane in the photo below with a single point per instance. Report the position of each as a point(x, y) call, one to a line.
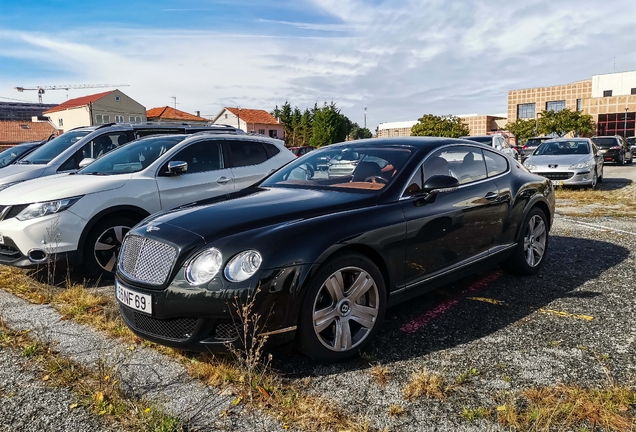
point(41, 89)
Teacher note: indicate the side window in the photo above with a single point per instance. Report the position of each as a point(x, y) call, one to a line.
point(272, 149)
point(466, 164)
point(202, 156)
point(495, 163)
point(415, 184)
point(245, 153)
point(95, 149)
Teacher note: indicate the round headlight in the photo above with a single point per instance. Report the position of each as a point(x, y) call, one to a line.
point(204, 267)
point(243, 266)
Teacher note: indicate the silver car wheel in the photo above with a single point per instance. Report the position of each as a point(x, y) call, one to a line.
point(107, 246)
point(594, 179)
point(345, 309)
point(535, 240)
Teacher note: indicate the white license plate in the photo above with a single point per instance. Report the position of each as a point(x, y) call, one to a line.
point(133, 299)
point(1, 239)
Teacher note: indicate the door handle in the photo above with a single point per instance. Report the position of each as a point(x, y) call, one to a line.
point(223, 180)
point(491, 196)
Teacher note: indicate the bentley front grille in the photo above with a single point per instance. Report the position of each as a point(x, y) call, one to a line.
point(145, 260)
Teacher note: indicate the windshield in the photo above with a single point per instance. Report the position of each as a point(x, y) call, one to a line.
point(11, 155)
point(54, 148)
point(605, 142)
point(534, 142)
point(483, 140)
point(351, 167)
point(133, 157)
point(559, 148)
point(631, 141)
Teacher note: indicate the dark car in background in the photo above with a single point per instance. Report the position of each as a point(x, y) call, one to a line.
point(17, 152)
point(526, 150)
point(301, 151)
point(614, 149)
point(323, 257)
point(631, 141)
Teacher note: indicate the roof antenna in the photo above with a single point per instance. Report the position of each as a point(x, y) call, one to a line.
point(174, 98)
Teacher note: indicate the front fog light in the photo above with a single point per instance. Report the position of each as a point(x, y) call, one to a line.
point(243, 266)
point(204, 267)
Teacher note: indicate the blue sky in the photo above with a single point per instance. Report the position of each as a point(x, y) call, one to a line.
point(402, 59)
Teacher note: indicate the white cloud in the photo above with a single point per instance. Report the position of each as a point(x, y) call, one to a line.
point(401, 59)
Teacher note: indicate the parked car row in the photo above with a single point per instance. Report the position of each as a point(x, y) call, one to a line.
point(81, 216)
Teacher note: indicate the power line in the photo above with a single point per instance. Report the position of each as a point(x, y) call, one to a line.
point(16, 100)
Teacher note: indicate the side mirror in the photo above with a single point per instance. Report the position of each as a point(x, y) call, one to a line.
point(86, 162)
point(440, 184)
point(177, 167)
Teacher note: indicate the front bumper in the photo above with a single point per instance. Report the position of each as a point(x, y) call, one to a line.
point(206, 318)
point(49, 238)
point(611, 155)
point(580, 177)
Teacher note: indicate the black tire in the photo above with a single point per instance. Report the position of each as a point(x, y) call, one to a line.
point(314, 342)
point(594, 181)
point(600, 178)
point(621, 160)
point(92, 266)
point(517, 262)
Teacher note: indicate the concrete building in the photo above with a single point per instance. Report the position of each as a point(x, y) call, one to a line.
point(22, 111)
point(15, 132)
point(108, 107)
point(167, 114)
point(478, 125)
point(610, 99)
point(251, 121)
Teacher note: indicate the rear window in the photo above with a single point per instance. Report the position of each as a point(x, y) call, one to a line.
point(482, 140)
point(605, 142)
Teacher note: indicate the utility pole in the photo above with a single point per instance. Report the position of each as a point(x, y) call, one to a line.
point(625, 127)
point(238, 117)
point(365, 117)
point(174, 98)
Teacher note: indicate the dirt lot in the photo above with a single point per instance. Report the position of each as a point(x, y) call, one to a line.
point(485, 353)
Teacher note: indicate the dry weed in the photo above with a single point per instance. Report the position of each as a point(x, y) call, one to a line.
point(381, 374)
point(427, 384)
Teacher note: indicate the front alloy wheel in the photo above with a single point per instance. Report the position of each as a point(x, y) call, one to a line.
point(342, 309)
point(108, 245)
point(528, 256)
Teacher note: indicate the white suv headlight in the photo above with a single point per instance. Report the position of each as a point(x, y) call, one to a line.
point(243, 266)
point(204, 267)
point(37, 210)
point(581, 165)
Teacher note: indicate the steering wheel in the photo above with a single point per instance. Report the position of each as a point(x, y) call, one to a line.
point(374, 178)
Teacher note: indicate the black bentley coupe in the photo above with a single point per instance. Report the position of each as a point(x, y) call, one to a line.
point(325, 252)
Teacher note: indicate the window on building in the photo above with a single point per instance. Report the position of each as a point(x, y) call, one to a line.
point(526, 110)
point(225, 115)
point(119, 119)
point(261, 131)
point(607, 93)
point(117, 98)
point(106, 118)
point(555, 106)
point(99, 119)
point(60, 122)
point(273, 133)
point(634, 90)
point(579, 105)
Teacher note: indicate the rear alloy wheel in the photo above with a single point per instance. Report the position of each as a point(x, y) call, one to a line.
point(103, 245)
point(528, 256)
point(343, 308)
point(594, 180)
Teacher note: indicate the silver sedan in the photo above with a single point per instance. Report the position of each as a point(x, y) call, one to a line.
point(568, 162)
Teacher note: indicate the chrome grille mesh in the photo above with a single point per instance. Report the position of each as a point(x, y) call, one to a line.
point(146, 260)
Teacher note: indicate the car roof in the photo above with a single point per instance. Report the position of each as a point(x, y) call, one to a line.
point(423, 143)
point(156, 125)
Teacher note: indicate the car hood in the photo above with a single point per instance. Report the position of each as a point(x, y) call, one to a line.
point(17, 173)
point(60, 186)
point(561, 160)
point(257, 207)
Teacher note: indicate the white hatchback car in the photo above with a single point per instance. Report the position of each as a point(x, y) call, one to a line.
point(81, 218)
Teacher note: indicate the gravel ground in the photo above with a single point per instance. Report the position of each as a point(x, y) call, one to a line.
point(568, 324)
point(143, 372)
point(539, 331)
point(26, 404)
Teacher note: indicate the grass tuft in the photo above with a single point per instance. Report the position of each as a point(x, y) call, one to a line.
point(381, 374)
point(426, 384)
point(396, 411)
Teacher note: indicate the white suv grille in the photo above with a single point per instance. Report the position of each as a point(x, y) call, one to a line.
point(146, 260)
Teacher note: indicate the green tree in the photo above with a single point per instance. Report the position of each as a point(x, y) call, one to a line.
point(329, 125)
point(359, 133)
point(440, 126)
point(522, 129)
point(565, 122)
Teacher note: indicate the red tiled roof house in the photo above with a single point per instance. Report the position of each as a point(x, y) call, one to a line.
point(167, 114)
point(108, 107)
point(251, 121)
point(15, 132)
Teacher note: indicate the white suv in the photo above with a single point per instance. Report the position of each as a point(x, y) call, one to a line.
point(81, 218)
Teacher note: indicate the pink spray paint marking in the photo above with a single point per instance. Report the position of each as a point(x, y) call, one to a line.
point(445, 306)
